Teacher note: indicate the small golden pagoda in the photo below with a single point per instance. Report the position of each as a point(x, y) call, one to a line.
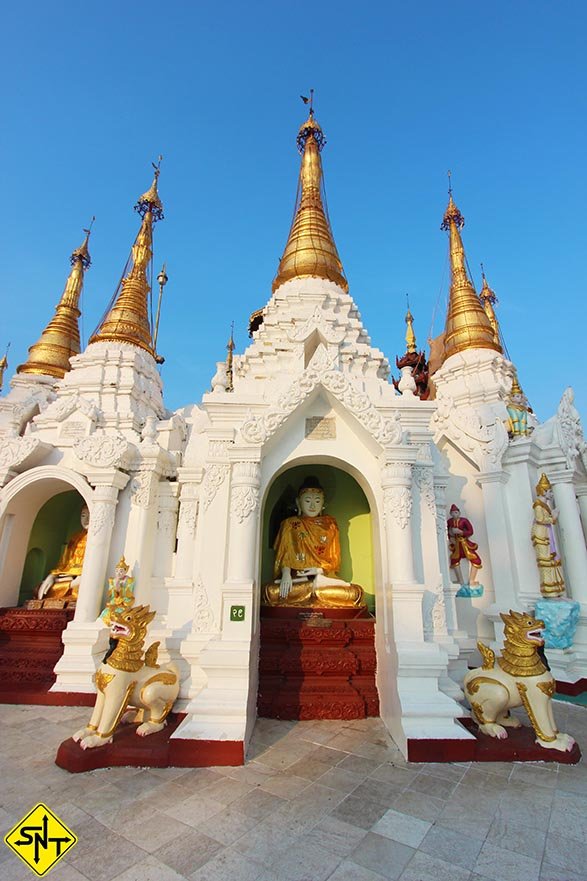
point(127, 319)
point(310, 251)
point(488, 300)
point(467, 325)
point(60, 340)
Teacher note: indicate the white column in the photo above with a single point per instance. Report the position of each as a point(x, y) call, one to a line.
point(244, 500)
point(581, 492)
point(450, 588)
point(102, 515)
point(519, 501)
point(573, 550)
point(186, 530)
point(397, 508)
point(498, 536)
point(166, 530)
point(141, 547)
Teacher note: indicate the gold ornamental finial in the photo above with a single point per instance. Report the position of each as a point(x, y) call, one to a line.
point(229, 360)
point(127, 318)
point(60, 340)
point(410, 335)
point(543, 485)
point(467, 325)
point(310, 251)
point(3, 366)
point(488, 301)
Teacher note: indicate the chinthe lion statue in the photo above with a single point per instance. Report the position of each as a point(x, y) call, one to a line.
point(519, 677)
point(125, 679)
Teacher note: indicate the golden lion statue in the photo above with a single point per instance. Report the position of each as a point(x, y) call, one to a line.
point(125, 678)
point(521, 678)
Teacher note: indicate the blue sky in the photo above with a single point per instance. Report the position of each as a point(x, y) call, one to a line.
point(495, 92)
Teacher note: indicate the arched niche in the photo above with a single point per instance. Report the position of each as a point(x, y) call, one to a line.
point(21, 501)
point(58, 519)
point(345, 501)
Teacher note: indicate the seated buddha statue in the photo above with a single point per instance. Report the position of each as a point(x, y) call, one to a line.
point(307, 558)
point(62, 582)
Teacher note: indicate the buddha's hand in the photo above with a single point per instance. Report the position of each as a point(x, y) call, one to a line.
point(285, 583)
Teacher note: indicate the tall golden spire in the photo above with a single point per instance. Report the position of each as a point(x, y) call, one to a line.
point(310, 250)
point(467, 325)
point(127, 319)
point(50, 355)
point(488, 301)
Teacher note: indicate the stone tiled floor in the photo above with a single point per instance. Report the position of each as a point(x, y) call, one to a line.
point(315, 801)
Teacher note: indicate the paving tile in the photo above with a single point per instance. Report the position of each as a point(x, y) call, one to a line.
point(106, 861)
point(228, 825)
point(465, 821)
point(517, 836)
point(402, 827)
point(310, 769)
point(425, 807)
point(187, 853)
point(258, 804)
point(388, 858)
point(555, 873)
point(423, 867)
point(360, 812)
point(452, 847)
point(349, 871)
point(149, 869)
point(343, 781)
point(504, 865)
point(335, 835)
point(431, 785)
point(358, 765)
point(229, 865)
point(285, 785)
point(400, 777)
point(154, 832)
point(566, 853)
point(306, 861)
point(265, 843)
point(376, 790)
point(227, 790)
point(194, 810)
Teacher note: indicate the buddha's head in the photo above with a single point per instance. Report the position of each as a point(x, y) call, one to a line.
point(84, 517)
point(310, 499)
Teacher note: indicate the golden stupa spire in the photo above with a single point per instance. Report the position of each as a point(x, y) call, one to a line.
point(229, 361)
point(310, 250)
point(60, 340)
point(3, 366)
point(467, 325)
point(127, 319)
point(488, 300)
point(410, 335)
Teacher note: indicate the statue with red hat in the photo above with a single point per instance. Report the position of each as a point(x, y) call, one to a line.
point(461, 547)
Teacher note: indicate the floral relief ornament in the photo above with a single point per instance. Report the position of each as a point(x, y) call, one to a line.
point(478, 432)
point(203, 614)
point(103, 451)
point(321, 371)
point(244, 501)
point(213, 479)
point(397, 504)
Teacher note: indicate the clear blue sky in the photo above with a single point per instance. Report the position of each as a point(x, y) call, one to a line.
point(495, 92)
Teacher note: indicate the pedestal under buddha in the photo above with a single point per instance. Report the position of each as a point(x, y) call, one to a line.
point(62, 582)
point(307, 558)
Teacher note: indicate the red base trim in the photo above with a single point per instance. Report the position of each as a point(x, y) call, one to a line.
point(571, 688)
point(47, 698)
point(155, 751)
point(519, 746)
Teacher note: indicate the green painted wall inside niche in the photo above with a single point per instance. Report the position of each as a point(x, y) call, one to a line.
point(56, 522)
point(346, 501)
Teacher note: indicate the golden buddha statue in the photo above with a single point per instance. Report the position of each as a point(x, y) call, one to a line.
point(307, 558)
point(62, 582)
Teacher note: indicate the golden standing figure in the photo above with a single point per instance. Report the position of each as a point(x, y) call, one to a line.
point(552, 583)
point(307, 558)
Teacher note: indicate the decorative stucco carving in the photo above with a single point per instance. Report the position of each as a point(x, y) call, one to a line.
point(213, 478)
point(424, 480)
point(434, 612)
point(477, 431)
point(188, 516)
point(203, 614)
point(325, 322)
point(104, 451)
point(15, 450)
point(397, 504)
point(244, 501)
point(321, 371)
point(101, 519)
point(68, 404)
point(142, 489)
point(570, 430)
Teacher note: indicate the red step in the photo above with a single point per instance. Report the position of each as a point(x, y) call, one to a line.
point(317, 664)
point(30, 646)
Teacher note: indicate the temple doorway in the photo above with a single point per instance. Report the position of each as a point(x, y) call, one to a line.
point(317, 661)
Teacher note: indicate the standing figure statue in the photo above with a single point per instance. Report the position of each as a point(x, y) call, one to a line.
point(517, 409)
point(121, 591)
point(461, 547)
point(307, 557)
point(62, 582)
point(552, 583)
